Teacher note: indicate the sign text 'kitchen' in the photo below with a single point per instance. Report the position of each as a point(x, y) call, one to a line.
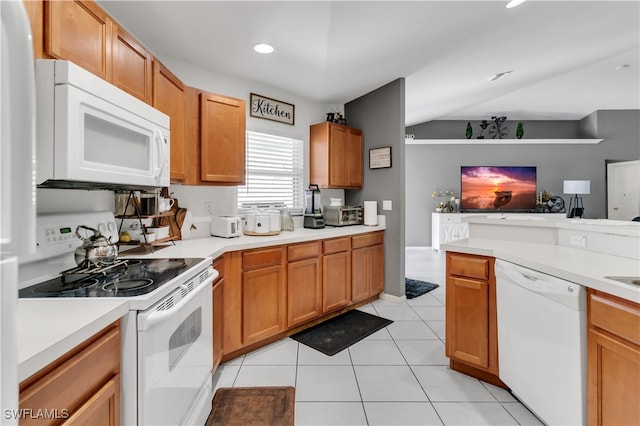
point(271, 109)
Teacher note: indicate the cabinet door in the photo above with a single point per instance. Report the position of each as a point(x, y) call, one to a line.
point(103, 408)
point(613, 389)
point(336, 281)
point(169, 97)
point(79, 31)
point(263, 304)
point(338, 156)
point(132, 66)
point(377, 270)
point(353, 158)
point(222, 139)
point(218, 319)
point(304, 291)
point(467, 321)
point(232, 297)
point(360, 274)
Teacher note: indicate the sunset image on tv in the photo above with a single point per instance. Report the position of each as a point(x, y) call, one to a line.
point(498, 188)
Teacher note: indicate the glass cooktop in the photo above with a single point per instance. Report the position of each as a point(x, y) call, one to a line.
point(134, 278)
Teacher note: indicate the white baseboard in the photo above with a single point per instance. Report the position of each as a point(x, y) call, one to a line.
point(392, 298)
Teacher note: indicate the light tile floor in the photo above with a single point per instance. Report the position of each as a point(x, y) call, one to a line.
point(397, 376)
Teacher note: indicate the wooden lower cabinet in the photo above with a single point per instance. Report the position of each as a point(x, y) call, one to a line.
point(263, 294)
point(276, 290)
point(336, 274)
point(80, 388)
point(304, 283)
point(613, 360)
point(218, 312)
point(471, 318)
point(367, 266)
point(262, 304)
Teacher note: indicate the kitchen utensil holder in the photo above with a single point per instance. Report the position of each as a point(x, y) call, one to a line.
point(138, 214)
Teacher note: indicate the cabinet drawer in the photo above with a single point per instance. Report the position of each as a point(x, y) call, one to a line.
point(261, 258)
point(450, 218)
point(367, 240)
point(70, 383)
point(617, 316)
point(336, 245)
point(218, 265)
point(468, 266)
point(304, 251)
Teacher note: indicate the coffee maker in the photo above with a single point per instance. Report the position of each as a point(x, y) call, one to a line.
point(312, 214)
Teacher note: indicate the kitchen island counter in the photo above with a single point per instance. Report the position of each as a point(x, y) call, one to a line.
point(580, 266)
point(48, 328)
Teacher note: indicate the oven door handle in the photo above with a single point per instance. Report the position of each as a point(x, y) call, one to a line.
point(147, 320)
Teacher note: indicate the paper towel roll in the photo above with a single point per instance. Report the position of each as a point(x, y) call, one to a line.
point(370, 213)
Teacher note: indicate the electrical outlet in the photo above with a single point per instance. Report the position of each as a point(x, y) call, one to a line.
point(208, 207)
point(578, 240)
point(386, 205)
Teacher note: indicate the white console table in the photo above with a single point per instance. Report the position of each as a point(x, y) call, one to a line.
point(447, 227)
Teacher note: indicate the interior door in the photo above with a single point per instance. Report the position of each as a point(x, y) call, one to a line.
point(623, 190)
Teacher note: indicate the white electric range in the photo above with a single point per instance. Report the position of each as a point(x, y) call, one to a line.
point(166, 344)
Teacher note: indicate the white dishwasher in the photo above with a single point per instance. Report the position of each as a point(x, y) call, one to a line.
point(542, 342)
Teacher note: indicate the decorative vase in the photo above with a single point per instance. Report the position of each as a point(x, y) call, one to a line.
point(469, 131)
point(519, 131)
point(438, 210)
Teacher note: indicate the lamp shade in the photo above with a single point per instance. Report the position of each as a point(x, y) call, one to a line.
point(577, 186)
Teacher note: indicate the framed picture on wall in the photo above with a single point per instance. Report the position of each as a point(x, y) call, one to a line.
point(380, 158)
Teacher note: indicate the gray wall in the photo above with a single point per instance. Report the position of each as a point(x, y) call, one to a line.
point(429, 166)
point(380, 115)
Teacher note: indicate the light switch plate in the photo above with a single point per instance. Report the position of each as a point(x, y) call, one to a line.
point(386, 205)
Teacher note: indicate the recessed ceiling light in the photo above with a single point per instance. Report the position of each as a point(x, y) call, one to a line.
point(263, 48)
point(498, 76)
point(514, 3)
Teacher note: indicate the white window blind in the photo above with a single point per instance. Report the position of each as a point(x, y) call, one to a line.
point(274, 173)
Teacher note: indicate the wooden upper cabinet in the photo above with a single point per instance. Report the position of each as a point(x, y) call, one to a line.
point(81, 32)
point(222, 139)
point(35, 12)
point(132, 65)
point(169, 97)
point(335, 156)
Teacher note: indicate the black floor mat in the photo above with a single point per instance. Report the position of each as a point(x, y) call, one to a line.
point(339, 333)
point(415, 288)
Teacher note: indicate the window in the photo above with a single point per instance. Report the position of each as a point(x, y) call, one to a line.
point(274, 173)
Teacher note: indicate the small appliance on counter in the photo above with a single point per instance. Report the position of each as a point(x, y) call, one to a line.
point(342, 215)
point(225, 226)
point(312, 214)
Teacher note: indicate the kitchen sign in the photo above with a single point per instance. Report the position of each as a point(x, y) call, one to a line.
point(271, 109)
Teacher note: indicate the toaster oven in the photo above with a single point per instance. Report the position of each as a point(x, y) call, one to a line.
point(342, 215)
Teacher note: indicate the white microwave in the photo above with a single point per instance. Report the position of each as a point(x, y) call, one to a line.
point(91, 134)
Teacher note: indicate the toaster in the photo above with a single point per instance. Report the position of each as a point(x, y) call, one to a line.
point(226, 226)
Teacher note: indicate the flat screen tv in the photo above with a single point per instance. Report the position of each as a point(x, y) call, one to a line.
point(498, 188)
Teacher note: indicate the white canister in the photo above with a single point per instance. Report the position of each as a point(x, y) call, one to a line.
point(275, 223)
point(250, 222)
point(263, 223)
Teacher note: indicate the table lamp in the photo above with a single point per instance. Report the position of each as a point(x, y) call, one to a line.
point(576, 187)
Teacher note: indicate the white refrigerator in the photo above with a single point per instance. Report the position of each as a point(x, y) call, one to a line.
point(17, 185)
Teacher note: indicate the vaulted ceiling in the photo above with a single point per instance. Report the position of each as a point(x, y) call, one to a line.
point(568, 58)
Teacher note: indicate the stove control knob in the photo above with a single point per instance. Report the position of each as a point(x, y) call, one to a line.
point(111, 226)
point(102, 228)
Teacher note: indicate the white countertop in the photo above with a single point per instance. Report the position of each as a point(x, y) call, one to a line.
point(579, 266)
point(48, 328)
point(215, 246)
point(614, 227)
